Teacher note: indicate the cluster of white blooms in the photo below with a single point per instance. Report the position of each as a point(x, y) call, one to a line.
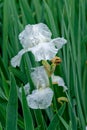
point(37, 39)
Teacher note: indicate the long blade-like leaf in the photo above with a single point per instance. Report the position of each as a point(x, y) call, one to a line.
point(27, 114)
point(11, 119)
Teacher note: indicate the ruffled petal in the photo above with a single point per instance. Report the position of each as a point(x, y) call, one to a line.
point(26, 89)
point(15, 61)
point(40, 77)
point(43, 30)
point(59, 81)
point(59, 42)
point(34, 34)
point(86, 127)
point(44, 51)
point(40, 99)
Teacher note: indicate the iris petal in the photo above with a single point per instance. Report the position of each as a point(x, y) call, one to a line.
point(44, 51)
point(26, 89)
point(59, 42)
point(34, 34)
point(15, 61)
point(40, 99)
point(59, 81)
point(40, 77)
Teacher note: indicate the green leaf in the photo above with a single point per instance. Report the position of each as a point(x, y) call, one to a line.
point(5, 85)
point(51, 20)
point(27, 114)
point(37, 7)
point(3, 68)
point(5, 30)
point(20, 122)
point(2, 95)
point(39, 119)
point(19, 74)
point(3, 105)
point(11, 118)
point(64, 122)
point(0, 126)
point(55, 120)
point(26, 12)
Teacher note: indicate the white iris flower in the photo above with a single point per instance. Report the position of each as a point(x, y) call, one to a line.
point(37, 39)
point(41, 97)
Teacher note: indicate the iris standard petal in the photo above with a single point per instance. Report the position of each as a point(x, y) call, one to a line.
point(34, 34)
point(40, 77)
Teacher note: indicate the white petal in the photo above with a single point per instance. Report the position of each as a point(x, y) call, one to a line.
point(59, 42)
point(26, 89)
point(86, 127)
point(44, 51)
point(40, 77)
point(59, 80)
point(15, 61)
point(40, 99)
point(34, 34)
point(43, 30)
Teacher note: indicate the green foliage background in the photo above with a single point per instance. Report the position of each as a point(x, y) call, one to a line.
point(67, 18)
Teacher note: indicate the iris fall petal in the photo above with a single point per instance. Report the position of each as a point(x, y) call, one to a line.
point(40, 99)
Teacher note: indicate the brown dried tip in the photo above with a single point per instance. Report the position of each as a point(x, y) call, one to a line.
point(56, 60)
